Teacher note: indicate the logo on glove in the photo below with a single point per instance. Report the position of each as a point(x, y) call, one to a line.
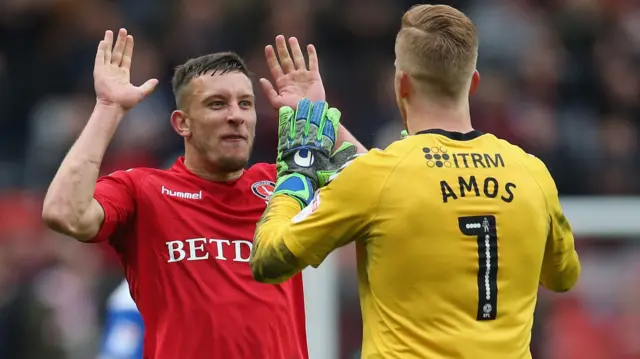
point(303, 158)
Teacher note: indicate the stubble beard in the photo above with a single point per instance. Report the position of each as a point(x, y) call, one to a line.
point(221, 162)
point(230, 164)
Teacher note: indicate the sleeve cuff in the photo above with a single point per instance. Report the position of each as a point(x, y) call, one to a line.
point(108, 223)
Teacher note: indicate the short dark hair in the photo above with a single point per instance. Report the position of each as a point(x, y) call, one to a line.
point(216, 63)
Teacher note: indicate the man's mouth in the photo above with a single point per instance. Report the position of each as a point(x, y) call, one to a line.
point(234, 137)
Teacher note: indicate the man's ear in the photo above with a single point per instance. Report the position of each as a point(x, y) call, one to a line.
point(180, 123)
point(405, 87)
point(475, 81)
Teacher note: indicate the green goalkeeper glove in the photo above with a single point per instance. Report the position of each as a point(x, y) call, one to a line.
point(306, 139)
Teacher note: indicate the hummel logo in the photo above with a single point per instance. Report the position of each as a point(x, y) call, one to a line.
point(187, 195)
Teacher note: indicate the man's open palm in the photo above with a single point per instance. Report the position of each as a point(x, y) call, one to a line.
point(292, 78)
point(111, 73)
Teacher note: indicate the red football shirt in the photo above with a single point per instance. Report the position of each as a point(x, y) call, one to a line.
point(185, 243)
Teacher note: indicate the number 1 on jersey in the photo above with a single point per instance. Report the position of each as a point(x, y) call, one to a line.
point(484, 229)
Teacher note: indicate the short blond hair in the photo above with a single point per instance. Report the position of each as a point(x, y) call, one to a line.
point(437, 46)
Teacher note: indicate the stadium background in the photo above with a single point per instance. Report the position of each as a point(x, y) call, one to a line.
point(561, 78)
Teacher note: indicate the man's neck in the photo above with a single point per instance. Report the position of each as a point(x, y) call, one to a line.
point(202, 169)
point(423, 115)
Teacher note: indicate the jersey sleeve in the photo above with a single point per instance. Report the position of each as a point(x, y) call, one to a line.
point(116, 195)
point(560, 266)
point(341, 212)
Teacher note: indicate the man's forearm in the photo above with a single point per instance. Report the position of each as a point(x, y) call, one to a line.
point(345, 136)
point(71, 191)
point(271, 260)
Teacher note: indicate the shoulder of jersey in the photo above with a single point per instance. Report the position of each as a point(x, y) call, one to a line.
point(263, 169)
point(401, 145)
point(364, 161)
point(518, 151)
point(120, 298)
point(137, 172)
point(535, 165)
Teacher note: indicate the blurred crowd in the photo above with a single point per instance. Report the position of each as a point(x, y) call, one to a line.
point(561, 78)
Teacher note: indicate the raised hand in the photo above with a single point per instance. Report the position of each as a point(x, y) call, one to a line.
point(290, 74)
point(111, 73)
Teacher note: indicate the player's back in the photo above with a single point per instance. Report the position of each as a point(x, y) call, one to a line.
point(453, 259)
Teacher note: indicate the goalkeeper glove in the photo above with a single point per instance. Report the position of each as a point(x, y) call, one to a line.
point(342, 155)
point(306, 139)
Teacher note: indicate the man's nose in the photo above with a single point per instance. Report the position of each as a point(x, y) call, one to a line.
point(234, 115)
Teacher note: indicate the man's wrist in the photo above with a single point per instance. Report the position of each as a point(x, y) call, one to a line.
point(104, 121)
point(109, 109)
point(297, 186)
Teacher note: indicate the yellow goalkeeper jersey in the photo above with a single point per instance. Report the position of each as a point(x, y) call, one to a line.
point(454, 234)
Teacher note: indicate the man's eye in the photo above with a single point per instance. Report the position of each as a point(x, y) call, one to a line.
point(217, 104)
point(246, 104)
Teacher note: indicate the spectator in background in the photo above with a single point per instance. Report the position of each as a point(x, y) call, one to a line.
point(123, 332)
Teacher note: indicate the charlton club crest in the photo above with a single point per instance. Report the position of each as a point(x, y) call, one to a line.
point(263, 189)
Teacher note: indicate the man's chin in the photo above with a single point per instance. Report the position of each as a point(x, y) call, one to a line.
point(231, 157)
point(232, 163)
